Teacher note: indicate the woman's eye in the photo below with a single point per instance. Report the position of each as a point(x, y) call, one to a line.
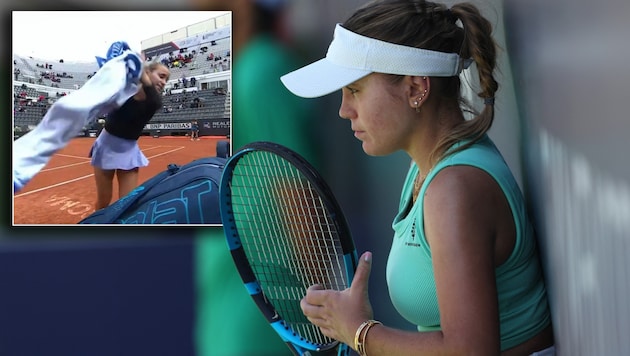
point(352, 90)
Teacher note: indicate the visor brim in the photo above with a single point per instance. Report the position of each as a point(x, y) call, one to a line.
point(321, 78)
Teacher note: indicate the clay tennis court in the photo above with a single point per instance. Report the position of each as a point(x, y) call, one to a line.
point(64, 191)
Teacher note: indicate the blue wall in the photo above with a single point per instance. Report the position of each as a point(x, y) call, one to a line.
point(87, 296)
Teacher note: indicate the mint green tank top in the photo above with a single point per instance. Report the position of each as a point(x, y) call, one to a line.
point(523, 305)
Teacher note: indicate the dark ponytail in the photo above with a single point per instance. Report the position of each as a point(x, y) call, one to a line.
point(479, 45)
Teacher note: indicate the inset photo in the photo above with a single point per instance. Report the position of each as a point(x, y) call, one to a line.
point(126, 118)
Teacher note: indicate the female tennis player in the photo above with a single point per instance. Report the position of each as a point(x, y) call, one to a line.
point(464, 265)
point(116, 152)
point(115, 82)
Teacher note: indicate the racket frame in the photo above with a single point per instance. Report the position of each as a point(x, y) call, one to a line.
point(298, 344)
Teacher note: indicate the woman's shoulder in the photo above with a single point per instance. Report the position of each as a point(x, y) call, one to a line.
point(460, 182)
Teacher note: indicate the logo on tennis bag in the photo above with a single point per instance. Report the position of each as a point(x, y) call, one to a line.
point(187, 194)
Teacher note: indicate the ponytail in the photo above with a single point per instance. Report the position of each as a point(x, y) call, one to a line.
point(479, 45)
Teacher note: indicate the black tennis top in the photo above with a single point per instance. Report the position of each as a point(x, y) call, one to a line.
point(129, 120)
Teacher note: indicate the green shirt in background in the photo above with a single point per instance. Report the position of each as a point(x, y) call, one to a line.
point(263, 109)
point(228, 321)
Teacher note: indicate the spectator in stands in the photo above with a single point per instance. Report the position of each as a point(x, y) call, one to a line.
point(219, 91)
point(184, 80)
point(195, 102)
point(116, 152)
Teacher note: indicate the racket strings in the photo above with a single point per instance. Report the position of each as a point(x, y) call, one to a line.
point(287, 234)
point(306, 209)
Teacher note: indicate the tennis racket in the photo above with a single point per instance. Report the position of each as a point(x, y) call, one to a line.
point(286, 232)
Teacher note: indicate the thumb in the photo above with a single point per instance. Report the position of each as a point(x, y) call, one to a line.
point(362, 273)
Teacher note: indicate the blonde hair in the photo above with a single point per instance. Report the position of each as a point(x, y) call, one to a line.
point(153, 66)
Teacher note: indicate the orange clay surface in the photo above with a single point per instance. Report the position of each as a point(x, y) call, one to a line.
point(64, 191)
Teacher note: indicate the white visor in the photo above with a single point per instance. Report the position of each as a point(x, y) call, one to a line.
point(351, 57)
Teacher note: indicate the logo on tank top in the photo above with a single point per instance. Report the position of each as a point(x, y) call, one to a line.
point(413, 236)
point(413, 230)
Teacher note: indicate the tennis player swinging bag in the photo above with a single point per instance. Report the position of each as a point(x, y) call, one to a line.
point(187, 194)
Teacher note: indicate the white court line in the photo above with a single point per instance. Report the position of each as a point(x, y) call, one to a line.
point(71, 156)
point(88, 160)
point(65, 166)
point(163, 153)
point(53, 186)
point(150, 148)
point(87, 176)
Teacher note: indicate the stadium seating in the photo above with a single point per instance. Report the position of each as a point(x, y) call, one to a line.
point(213, 106)
point(71, 75)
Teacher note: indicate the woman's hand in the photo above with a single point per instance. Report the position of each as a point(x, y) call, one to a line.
point(338, 314)
point(145, 79)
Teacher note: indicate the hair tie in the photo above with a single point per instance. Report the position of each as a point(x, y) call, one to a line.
point(450, 16)
point(488, 101)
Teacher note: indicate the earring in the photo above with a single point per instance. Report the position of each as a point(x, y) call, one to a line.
point(416, 103)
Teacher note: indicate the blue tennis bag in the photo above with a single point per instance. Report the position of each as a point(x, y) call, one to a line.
point(187, 194)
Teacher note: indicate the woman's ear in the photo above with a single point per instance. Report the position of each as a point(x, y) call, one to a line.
point(419, 90)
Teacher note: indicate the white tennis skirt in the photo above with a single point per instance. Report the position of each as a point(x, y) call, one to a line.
point(112, 152)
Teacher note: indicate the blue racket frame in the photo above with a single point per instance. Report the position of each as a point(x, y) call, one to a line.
point(298, 344)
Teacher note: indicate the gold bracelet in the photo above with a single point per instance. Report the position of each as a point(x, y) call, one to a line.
point(363, 340)
point(361, 334)
point(358, 334)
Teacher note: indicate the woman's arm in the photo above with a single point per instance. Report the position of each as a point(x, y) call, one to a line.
point(145, 79)
point(462, 205)
point(146, 84)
